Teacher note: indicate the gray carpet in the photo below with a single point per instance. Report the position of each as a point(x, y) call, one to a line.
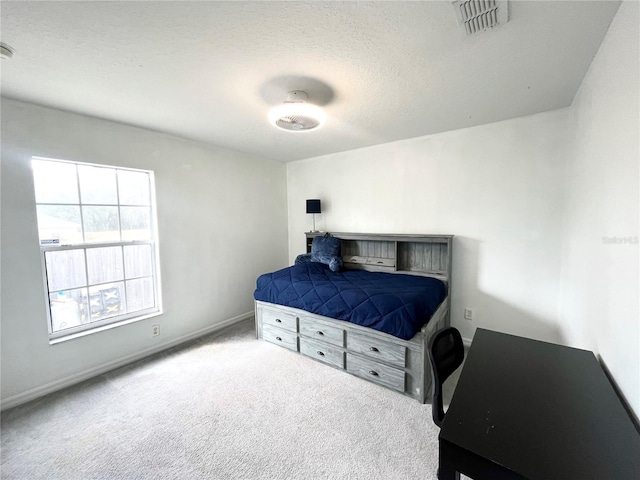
point(223, 407)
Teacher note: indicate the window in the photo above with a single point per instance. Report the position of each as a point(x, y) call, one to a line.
point(98, 242)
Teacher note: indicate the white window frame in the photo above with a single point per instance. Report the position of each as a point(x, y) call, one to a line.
point(117, 320)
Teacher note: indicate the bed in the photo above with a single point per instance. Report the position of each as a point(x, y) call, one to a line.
point(373, 317)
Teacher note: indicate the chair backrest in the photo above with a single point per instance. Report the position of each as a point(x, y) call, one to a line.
point(446, 352)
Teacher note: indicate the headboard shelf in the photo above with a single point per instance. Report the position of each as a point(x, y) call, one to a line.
point(423, 257)
point(369, 248)
point(403, 253)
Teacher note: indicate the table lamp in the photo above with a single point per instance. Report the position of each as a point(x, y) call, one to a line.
point(313, 207)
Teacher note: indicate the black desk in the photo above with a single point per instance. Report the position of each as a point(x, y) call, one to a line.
point(525, 409)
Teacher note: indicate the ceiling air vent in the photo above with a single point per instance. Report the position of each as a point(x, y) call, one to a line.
point(479, 15)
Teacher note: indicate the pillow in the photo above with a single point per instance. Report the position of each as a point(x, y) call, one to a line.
point(326, 249)
point(304, 258)
point(325, 245)
point(336, 264)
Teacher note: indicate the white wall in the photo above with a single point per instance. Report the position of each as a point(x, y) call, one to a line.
point(600, 286)
point(222, 222)
point(497, 188)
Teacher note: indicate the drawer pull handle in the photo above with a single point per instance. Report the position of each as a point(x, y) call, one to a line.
point(278, 320)
point(373, 372)
point(320, 332)
point(374, 349)
point(320, 353)
point(279, 339)
point(380, 262)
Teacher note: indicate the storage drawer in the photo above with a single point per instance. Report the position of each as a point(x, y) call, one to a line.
point(320, 331)
point(354, 259)
point(280, 337)
point(377, 349)
point(323, 352)
point(382, 262)
point(284, 320)
point(375, 372)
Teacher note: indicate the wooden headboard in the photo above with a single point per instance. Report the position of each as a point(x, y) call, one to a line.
point(428, 255)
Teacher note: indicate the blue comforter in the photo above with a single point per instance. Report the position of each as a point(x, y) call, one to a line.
point(392, 303)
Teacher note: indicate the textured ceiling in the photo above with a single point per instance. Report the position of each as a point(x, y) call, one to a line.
point(383, 71)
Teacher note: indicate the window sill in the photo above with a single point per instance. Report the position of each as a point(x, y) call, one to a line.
point(84, 333)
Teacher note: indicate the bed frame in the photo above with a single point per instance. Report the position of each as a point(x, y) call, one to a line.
point(400, 365)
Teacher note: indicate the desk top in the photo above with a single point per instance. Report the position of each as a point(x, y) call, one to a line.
point(541, 410)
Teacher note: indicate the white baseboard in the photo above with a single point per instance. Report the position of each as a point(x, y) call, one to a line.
point(32, 394)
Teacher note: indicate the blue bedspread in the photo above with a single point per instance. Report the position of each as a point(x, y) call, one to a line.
point(392, 303)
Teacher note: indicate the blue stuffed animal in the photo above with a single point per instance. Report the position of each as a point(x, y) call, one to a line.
point(324, 249)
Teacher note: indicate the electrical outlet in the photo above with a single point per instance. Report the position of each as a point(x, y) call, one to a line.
point(468, 314)
point(155, 329)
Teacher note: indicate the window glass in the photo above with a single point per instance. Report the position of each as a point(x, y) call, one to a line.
point(136, 223)
point(133, 188)
point(59, 224)
point(68, 309)
point(105, 264)
point(66, 269)
point(140, 293)
point(101, 224)
point(55, 182)
point(106, 301)
point(98, 185)
point(137, 261)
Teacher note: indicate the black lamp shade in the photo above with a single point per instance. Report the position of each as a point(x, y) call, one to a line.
point(313, 206)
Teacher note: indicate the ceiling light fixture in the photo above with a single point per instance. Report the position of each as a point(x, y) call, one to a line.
point(296, 115)
point(6, 52)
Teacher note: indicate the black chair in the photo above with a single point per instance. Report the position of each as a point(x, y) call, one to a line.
point(446, 352)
